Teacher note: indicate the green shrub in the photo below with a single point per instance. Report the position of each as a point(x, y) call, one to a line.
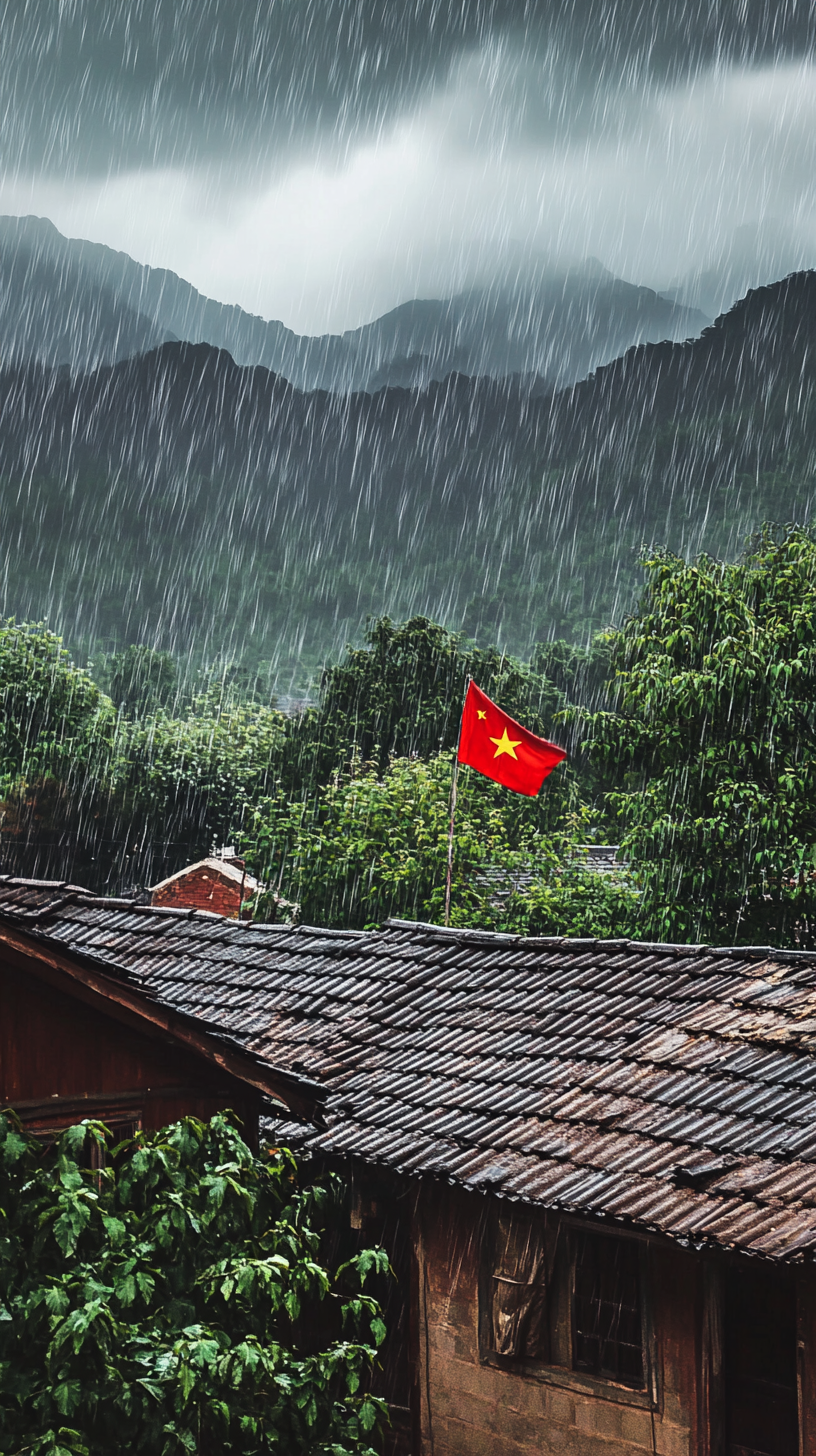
point(177, 1300)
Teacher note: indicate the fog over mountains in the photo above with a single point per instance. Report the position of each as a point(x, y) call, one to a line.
point(64, 301)
point(180, 498)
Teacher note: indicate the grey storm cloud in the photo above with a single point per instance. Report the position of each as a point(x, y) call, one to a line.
point(97, 86)
point(319, 161)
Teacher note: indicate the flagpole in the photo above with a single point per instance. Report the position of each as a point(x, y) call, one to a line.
point(454, 782)
point(450, 841)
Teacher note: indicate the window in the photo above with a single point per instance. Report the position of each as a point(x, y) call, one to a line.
point(565, 1298)
point(121, 1130)
point(607, 1309)
point(518, 1287)
point(121, 1127)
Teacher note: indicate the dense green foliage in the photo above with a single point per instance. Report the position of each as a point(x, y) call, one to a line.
point(710, 754)
point(691, 733)
point(177, 1300)
point(191, 776)
point(109, 799)
point(374, 843)
point(402, 693)
point(357, 827)
point(141, 678)
point(50, 711)
point(342, 808)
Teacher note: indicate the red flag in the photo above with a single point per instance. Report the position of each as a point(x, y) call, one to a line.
point(497, 746)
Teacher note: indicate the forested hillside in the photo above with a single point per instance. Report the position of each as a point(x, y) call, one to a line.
point(216, 511)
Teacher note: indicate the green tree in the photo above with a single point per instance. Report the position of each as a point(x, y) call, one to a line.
point(141, 679)
point(57, 732)
point(402, 693)
point(711, 748)
point(177, 1300)
point(136, 794)
point(188, 779)
point(566, 897)
point(52, 714)
point(374, 844)
point(120, 798)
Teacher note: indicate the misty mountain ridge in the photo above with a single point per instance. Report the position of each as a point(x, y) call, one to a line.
point(66, 301)
point(556, 326)
point(180, 499)
point(753, 255)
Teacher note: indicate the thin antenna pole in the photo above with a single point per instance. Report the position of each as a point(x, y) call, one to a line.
point(454, 782)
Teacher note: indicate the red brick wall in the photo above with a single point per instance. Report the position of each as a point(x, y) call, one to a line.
point(201, 889)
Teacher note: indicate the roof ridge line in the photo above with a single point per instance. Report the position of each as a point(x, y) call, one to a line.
point(748, 952)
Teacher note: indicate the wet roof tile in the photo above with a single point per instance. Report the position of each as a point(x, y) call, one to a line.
point(594, 1076)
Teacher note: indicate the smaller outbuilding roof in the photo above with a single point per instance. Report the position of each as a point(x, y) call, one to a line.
point(231, 872)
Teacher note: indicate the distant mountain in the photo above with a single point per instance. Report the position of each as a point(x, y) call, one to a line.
point(80, 303)
point(556, 326)
point(181, 499)
point(749, 257)
point(55, 310)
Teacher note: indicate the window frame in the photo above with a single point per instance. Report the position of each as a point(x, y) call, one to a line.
point(122, 1126)
point(549, 1372)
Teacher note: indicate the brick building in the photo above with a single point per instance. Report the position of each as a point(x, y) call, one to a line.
point(215, 884)
point(593, 1163)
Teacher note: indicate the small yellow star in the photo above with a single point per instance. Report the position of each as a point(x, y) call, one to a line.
point(506, 744)
point(480, 713)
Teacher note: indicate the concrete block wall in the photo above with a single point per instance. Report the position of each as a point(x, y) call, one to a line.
point(470, 1408)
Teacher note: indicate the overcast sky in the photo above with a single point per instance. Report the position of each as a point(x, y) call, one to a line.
point(319, 161)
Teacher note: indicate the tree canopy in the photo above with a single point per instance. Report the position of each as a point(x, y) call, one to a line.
point(710, 751)
point(176, 1294)
point(690, 732)
point(141, 678)
point(52, 710)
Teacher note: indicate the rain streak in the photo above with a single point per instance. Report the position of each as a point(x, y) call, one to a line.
point(407, 727)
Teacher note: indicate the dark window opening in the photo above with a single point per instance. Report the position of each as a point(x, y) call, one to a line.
point(607, 1309)
point(563, 1297)
point(761, 1403)
point(122, 1129)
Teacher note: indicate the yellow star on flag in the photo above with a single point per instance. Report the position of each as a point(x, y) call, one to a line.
point(506, 744)
point(480, 713)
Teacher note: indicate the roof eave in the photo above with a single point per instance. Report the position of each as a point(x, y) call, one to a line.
point(93, 983)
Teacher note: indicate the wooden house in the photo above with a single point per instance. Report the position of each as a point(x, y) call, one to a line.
point(81, 1036)
point(593, 1163)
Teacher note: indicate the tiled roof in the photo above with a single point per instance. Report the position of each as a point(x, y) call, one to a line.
point(215, 866)
point(668, 1087)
